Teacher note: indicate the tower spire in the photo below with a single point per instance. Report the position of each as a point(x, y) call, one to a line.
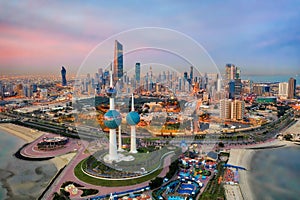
point(132, 103)
point(111, 76)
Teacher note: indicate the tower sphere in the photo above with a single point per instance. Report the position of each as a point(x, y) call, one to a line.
point(112, 119)
point(133, 118)
point(111, 92)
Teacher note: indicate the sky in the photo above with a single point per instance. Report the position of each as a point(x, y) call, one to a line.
point(261, 37)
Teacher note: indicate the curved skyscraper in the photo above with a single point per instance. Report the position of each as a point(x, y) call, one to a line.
point(63, 76)
point(118, 61)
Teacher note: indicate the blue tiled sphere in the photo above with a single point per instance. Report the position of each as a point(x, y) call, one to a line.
point(112, 119)
point(111, 92)
point(133, 118)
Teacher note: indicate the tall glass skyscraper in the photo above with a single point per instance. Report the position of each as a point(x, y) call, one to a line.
point(230, 72)
point(138, 72)
point(231, 85)
point(291, 88)
point(63, 76)
point(192, 74)
point(118, 61)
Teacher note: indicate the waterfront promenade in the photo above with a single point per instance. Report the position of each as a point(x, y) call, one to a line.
point(68, 175)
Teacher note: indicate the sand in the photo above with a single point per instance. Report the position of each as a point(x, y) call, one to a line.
point(24, 133)
point(240, 157)
point(29, 135)
point(61, 161)
point(243, 157)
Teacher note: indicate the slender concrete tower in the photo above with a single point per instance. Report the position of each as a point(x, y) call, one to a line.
point(133, 119)
point(120, 140)
point(112, 119)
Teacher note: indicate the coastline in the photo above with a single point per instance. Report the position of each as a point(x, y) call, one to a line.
point(244, 175)
point(24, 133)
point(29, 135)
point(35, 173)
point(240, 157)
point(243, 158)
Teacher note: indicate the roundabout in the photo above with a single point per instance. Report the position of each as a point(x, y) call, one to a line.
point(143, 168)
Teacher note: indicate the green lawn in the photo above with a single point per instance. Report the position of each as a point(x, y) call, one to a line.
point(112, 183)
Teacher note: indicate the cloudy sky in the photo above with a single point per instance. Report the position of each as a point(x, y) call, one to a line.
point(262, 37)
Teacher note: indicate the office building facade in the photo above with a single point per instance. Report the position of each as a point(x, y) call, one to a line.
point(63, 76)
point(292, 88)
point(138, 72)
point(118, 61)
point(283, 90)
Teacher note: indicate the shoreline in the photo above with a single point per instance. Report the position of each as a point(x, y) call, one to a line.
point(243, 158)
point(24, 133)
point(240, 157)
point(244, 184)
point(29, 135)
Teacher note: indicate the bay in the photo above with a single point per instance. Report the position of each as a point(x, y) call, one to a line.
point(272, 78)
point(23, 179)
point(275, 174)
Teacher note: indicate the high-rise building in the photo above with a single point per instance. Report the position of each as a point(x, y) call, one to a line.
point(230, 72)
point(237, 110)
point(283, 89)
point(237, 87)
point(237, 73)
point(138, 72)
point(291, 88)
point(63, 76)
point(118, 61)
point(2, 88)
point(192, 73)
point(232, 109)
point(225, 109)
point(180, 84)
point(185, 76)
point(231, 89)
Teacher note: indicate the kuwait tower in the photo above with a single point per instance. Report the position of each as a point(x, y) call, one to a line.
point(112, 119)
point(133, 119)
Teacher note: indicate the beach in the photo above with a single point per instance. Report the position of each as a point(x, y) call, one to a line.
point(24, 133)
point(30, 180)
point(240, 157)
point(29, 135)
point(245, 158)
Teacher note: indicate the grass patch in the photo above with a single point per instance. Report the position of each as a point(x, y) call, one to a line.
point(214, 190)
point(111, 183)
point(88, 192)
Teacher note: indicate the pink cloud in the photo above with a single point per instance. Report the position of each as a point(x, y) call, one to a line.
point(29, 45)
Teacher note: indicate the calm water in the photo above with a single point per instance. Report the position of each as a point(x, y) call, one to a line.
point(275, 174)
point(276, 78)
point(26, 179)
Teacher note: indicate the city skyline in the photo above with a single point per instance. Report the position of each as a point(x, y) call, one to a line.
point(38, 38)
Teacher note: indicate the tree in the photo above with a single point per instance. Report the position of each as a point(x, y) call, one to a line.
point(221, 144)
point(288, 137)
point(155, 183)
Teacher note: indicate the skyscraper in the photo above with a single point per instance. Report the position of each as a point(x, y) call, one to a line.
point(283, 89)
point(231, 89)
point(237, 110)
point(192, 73)
point(118, 61)
point(232, 109)
point(230, 72)
point(63, 76)
point(292, 88)
point(2, 88)
point(225, 109)
point(138, 72)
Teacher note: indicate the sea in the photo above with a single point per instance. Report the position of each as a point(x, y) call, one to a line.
point(274, 174)
point(272, 78)
point(20, 179)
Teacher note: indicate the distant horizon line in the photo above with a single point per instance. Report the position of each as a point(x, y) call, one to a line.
point(74, 74)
